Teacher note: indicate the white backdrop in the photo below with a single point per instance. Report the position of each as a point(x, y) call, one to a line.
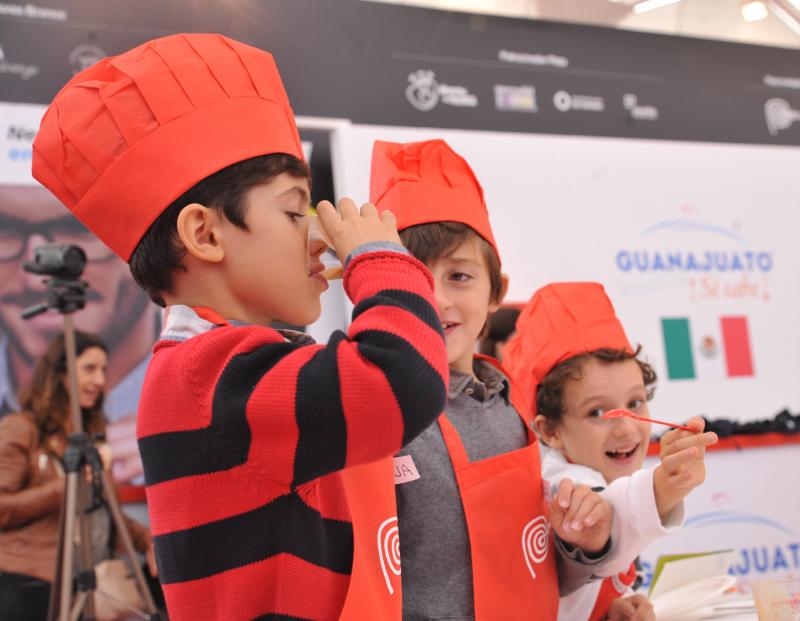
point(577, 208)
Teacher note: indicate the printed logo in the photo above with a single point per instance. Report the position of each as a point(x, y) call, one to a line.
point(425, 92)
point(638, 112)
point(25, 72)
point(708, 261)
point(515, 98)
point(535, 543)
point(565, 102)
point(779, 115)
point(389, 550)
point(84, 56)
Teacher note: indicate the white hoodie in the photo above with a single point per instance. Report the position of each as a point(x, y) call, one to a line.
point(634, 526)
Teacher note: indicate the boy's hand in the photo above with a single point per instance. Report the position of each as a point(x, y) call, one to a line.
point(682, 464)
point(633, 608)
point(348, 229)
point(580, 516)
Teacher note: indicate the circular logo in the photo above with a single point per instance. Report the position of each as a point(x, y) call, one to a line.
point(389, 550)
point(535, 542)
point(562, 100)
point(423, 90)
point(84, 56)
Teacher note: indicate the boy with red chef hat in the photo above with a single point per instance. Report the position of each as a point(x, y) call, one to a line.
point(573, 362)
point(182, 155)
point(475, 540)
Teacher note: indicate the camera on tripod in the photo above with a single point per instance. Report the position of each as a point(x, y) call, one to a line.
point(75, 582)
point(62, 261)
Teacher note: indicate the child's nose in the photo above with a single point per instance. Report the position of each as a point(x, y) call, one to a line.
point(442, 299)
point(624, 426)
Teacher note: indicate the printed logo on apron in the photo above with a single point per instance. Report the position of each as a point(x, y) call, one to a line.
point(535, 542)
point(389, 550)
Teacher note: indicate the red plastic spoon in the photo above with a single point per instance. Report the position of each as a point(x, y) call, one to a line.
point(619, 413)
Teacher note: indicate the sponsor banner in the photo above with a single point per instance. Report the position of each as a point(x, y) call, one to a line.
point(427, 68)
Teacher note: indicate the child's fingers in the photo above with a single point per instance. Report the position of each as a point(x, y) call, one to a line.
point(623, 609)
point(580, 504)
point(368, 210)
point(564, 493)
point(326, 211)
point(643, 609)
point(387, 217)
point(678, 461)
point(600, 511)
point(347, 209)
point(330, 218)
point(683, 479)
point(700, 440)
point(697, 423)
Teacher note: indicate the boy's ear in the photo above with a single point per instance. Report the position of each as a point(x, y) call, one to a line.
point(547, 432)
point(495, 304)
point(200, 232)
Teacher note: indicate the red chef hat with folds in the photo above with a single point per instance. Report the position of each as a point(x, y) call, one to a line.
point(561, 320)
point(127, 136)
point(424, 182)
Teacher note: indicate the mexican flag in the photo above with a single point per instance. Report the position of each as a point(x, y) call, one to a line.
point(703, 348)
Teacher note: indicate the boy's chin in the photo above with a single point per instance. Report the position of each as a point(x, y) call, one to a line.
point(303, 318)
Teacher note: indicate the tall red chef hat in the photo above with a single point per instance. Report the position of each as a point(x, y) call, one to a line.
point(561, 320)
point(424, 182)
point(126, 137)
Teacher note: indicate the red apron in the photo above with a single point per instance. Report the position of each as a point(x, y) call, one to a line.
point(612, 588)
point(375, 586)
point(513, 556)
point(513, 560)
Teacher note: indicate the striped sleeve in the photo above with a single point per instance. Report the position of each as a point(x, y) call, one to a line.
point(293, 413)
point(371, 391)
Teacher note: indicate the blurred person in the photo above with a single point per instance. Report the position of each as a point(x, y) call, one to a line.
point(116, 309)
point(32, 444)
point(500, 327)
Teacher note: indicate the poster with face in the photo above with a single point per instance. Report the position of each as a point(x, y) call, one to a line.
point(116, 310)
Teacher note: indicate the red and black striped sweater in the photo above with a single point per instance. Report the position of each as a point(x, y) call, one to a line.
point(242, 434)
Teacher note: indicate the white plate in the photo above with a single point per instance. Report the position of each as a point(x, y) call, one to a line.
point(691, 597)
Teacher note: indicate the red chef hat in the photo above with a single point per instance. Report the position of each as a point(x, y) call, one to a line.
point(424, 182)
point(561, 320)
point(127, 136)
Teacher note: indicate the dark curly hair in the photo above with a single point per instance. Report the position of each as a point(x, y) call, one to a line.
point(550, 392)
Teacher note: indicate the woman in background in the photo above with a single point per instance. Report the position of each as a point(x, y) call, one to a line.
point(32, 444)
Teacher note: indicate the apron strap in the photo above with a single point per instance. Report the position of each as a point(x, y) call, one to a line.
point(458, 454)
point(210, 315)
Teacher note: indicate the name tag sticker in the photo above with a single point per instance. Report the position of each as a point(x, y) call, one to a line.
point(404, 470)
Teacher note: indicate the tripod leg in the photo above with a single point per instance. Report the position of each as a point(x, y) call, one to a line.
point(78, 605)
point(52, 608)
point(68, 545)
point(85, 538)
point(122, 530)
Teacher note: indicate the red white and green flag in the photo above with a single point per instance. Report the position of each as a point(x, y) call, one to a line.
point(703, 348)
